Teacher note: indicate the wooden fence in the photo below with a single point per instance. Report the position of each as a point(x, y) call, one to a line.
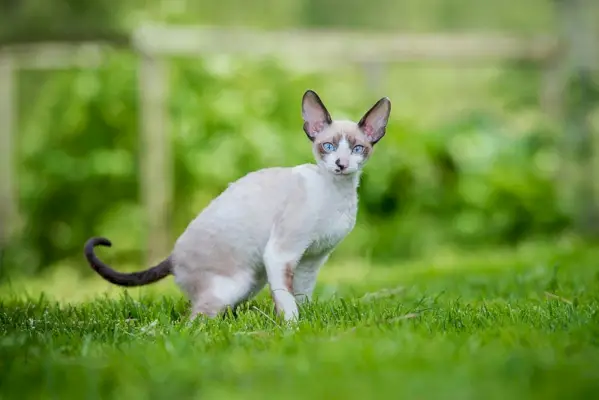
point(295, 49)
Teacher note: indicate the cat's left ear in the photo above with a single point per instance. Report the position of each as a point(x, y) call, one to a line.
point(315, 115)
point(374, 122)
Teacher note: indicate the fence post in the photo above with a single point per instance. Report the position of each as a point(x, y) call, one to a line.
point(374, 74)
point(8, 198)
point(578, 35)
point(552, 87)
point(155, 156)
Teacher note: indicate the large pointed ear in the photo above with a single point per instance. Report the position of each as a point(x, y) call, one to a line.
point(316, 117)
point(374, 122)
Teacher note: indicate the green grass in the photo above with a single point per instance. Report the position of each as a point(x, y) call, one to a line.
point(519, 323)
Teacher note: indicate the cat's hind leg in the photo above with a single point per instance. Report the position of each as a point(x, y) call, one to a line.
point(216, 293)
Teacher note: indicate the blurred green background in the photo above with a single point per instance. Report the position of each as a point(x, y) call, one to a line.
point(470, 158)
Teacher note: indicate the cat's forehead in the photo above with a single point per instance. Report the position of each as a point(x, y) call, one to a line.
point(340, 130)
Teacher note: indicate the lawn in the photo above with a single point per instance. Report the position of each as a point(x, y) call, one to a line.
point(517, 323)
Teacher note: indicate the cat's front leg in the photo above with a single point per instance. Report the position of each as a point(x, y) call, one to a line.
point(280, 266)
point(304, 277)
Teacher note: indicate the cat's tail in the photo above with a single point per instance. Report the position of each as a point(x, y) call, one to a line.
point(151, 275)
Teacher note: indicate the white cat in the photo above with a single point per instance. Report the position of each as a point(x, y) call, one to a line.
point(275, 225)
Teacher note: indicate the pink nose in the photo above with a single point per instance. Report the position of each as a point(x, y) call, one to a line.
point(341, 164)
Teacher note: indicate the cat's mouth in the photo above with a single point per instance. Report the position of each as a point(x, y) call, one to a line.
point(339, 171)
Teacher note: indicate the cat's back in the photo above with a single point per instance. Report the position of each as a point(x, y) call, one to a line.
point(234, 228)
point(246, 208)
point(258, 191)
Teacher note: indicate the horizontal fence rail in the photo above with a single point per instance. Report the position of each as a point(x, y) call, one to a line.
point(315, 47)
point(56, 55)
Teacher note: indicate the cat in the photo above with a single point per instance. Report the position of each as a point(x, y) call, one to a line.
point(275, 225)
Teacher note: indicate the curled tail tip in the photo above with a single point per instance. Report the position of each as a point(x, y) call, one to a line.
point(97, 241)
point(102, 241)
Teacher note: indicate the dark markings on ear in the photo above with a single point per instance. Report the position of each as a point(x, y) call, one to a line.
point(374, 122)
point(316, 116)
point(307, 131)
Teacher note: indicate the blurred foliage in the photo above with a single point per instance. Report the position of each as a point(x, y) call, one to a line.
point(29, 21)
point(448, 172)
point(466, 181)
point(42, 20)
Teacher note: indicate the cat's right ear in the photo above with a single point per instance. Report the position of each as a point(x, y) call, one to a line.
point(315, 115)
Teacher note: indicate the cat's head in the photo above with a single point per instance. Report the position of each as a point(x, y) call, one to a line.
point(343, 147)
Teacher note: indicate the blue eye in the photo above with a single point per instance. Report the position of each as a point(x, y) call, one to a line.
point(328, 147)
point(358, 149)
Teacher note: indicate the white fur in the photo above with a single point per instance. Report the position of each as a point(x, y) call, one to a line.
point(275, 225)
point(267, 220)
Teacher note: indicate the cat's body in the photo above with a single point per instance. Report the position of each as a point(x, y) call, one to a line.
point(275, 225)
point(301, 211)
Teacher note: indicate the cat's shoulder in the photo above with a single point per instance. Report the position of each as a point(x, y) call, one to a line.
point(267, 177)
point(273, 174)
point(308, 172)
